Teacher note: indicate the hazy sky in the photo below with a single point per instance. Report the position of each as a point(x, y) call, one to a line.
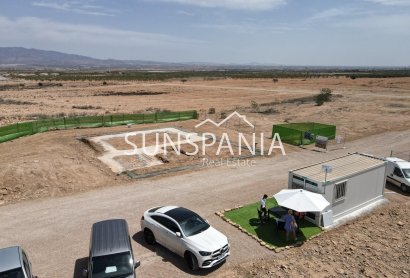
point(285, 32)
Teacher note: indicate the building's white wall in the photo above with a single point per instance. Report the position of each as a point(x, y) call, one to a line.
point(290, 178)
point(361, 190)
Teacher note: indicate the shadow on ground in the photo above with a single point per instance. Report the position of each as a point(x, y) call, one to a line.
point(168, 256)
point(80, 264)
point(396, 189)
point(269, 233)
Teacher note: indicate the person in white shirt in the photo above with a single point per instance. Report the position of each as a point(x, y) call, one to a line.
point(263, 205)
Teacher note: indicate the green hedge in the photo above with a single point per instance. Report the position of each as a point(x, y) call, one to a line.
point(13, 131)
point(295, 133)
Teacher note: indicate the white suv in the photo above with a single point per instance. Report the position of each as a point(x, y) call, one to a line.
point(187, 234)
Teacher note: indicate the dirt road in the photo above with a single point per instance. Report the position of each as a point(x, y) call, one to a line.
point(55, 231)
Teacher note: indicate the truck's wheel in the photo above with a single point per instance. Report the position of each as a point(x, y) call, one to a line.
point(403, 187)
point(149, 237)
point(191, 261)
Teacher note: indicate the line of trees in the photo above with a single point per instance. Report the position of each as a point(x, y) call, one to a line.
point(184, 76)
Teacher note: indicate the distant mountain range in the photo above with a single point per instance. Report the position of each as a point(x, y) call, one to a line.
point(30, 58)
point(19, 57)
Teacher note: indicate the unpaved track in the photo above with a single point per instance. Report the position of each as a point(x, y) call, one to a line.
point(55, 231)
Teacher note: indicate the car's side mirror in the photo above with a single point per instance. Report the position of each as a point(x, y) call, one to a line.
point(137, 264)
point(84, 273)
point(178, 234)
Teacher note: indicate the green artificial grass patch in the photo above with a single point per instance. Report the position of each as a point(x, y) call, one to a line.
point(247, 217)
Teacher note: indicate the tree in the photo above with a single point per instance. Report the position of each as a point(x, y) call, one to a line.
point(325, 95)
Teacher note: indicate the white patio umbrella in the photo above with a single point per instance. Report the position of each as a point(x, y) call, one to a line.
point(301, 200)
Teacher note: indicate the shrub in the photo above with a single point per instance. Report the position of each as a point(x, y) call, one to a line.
point(254, 106)
point(86, 107)
point(157, 110)
point(38, 116)
point(269, 110)
point(15, 102)
point(325, 95)
point(211, 110)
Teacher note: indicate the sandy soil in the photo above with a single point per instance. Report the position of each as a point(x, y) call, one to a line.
point(64, 223)
point(173, 150)
point(55, 163)
point(76, 189)
point(375, 105)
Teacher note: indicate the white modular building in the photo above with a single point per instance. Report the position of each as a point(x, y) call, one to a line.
point(349, 183)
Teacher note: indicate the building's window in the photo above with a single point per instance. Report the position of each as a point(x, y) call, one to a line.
point(311, 183)
point(297, 185)
point(340, 190)
point(298, 182)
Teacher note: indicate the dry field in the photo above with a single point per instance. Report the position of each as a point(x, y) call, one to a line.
point(55, 163)
point(361, 107)
point(56, 167)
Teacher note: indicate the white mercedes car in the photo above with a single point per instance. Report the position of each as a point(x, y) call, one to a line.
point(187, 234)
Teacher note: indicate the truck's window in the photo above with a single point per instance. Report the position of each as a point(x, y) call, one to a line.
point(398, 172)
point(113, 266)
point(14, 273)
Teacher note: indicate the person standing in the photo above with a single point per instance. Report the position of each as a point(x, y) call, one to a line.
point(263, 206)
point(290, 225)
point(299, 216)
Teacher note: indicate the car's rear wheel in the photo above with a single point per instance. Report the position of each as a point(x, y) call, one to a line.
point(191, 261)
point(149, 236)
point(403, 187)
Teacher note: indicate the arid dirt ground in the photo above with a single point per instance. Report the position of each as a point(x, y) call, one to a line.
point(55, 163)
point(376, 105)
point(53, 187)
point(56, 231)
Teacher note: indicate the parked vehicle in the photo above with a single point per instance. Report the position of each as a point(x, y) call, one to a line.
point(14, 263)
point(110, 251)
point(398, 173)
point(187, 234)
